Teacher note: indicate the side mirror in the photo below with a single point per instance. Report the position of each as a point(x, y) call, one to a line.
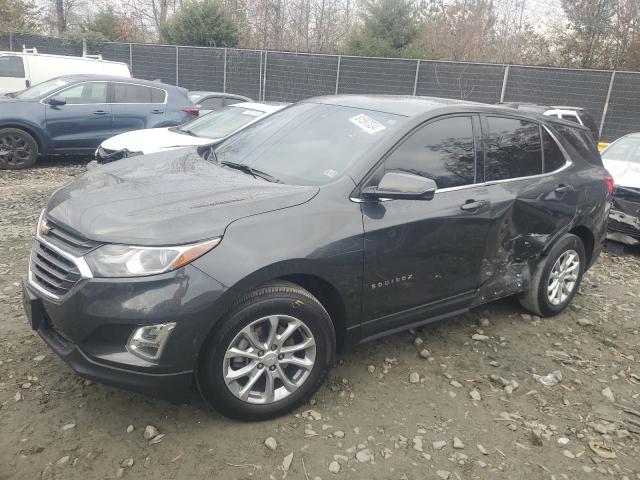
point(56, 101)
point(399, 185)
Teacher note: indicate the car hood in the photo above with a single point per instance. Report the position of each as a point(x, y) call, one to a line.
point(625, 174)
point(152, 140)
point(166, 198)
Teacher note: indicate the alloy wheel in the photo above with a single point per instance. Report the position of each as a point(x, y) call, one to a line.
point(269, 359)
point(14, 149)
point(563, 278)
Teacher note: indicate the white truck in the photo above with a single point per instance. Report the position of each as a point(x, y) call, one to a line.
point(20, 70)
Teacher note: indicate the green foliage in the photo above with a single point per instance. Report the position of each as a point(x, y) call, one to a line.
point(390, 26)
point(106, 24)
point(202, 23)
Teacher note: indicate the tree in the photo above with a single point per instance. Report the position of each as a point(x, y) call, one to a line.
point(201, 23)
point(389, 27)
point(590, 25)
point(17, 16)
point(113, 26)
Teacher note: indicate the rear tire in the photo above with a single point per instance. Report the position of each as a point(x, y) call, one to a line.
point(556, 278)
point(249, 370)
point(18, 149)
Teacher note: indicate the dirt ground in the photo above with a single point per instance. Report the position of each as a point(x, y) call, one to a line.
point(370, 421)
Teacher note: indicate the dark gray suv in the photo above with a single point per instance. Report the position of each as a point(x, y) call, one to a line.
point(239, 269)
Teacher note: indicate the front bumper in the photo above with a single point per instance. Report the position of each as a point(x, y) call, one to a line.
point(90, 326)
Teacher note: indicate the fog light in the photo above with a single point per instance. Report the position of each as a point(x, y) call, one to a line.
point(148, 342)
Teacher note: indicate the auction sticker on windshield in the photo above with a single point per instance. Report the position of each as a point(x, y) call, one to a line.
point(367, 123)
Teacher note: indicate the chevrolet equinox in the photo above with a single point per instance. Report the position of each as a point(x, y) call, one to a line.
point(239, 269)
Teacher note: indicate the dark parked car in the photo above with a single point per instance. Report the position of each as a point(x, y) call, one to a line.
point(577, 115)
point(74, 114)
point(242, 267)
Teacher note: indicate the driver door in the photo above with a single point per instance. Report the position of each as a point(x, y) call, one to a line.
point(423, 258)
point(83, 122)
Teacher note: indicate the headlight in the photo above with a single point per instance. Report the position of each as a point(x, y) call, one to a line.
point(132, 261)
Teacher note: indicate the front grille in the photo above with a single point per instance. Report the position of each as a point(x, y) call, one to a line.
point(51, 271)
point(68, 241)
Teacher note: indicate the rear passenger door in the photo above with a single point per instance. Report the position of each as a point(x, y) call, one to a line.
point(423, 258)
point(136, 107)
point(533, 197)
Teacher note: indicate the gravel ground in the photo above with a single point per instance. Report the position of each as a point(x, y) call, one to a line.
point(432, 404)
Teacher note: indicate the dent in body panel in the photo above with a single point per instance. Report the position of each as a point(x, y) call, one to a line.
point(526, 216)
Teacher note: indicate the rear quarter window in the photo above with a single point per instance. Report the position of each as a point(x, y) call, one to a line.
point(579, 143)
point(11, 66)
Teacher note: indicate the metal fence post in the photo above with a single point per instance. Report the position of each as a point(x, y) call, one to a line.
point(338, 73)
point(131, 57)
point(177, 66)
point(260, 78)
point(84, 47)
point(504, 83)
point(606, 103)
point(224, 72)
point(11, 41)
point(415, 82)
point(264, 77)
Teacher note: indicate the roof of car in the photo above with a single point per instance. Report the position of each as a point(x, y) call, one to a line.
point(407, 105)
point(139, 81)
point(260, 107)
point(537, 107)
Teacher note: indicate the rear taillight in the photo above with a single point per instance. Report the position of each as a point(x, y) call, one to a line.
point(609, 183)
point(195, 111)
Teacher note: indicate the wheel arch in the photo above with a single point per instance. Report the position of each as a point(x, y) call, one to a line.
point(32, 130)
point(588, 240)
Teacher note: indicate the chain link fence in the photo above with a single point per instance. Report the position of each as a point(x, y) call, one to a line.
point(611, 97)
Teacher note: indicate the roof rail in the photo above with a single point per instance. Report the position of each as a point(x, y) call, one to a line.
point(93, 57)
point(29, 50)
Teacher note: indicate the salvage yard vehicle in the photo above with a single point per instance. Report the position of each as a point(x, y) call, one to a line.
point(74, 114)
point(208, 128)
point(622, 160)
point(20, 70)
point(241, 268)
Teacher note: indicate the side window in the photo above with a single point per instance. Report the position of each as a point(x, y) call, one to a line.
point(212, 103)
point(579, 142)
point(442, 150)
point(512, 149)
point(85, 93)
point(130, 93)
point(553, 157)
point(11, 66)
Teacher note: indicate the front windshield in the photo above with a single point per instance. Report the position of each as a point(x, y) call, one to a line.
point(42, 89)
point(220, 123)
point(309, 143)
point(626, 150)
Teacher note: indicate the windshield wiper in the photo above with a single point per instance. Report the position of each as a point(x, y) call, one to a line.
point(243, 167)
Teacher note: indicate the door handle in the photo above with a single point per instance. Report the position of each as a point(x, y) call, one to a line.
point(100, 112)
point(471, 205)
point(562, 188)
point(157, 111)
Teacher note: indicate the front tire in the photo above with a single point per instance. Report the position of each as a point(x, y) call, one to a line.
point(556, 278)
point(270, 354)
point(18, 149)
